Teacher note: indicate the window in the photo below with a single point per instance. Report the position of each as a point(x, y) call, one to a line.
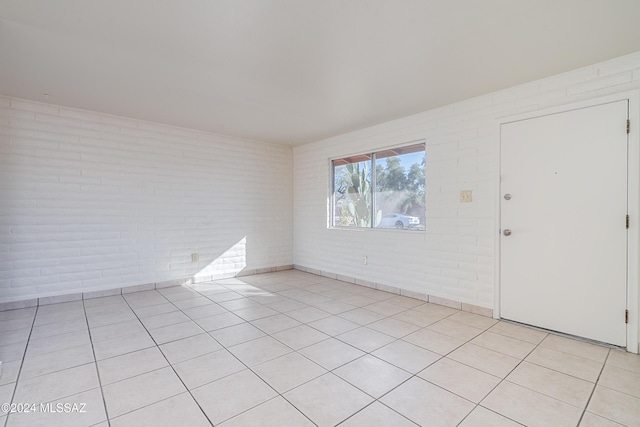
point(385, 189)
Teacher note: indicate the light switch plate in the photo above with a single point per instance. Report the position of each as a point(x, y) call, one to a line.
point(465, 196)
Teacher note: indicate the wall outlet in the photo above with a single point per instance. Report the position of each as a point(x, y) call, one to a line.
point(465, 196)
point(195, 257)
point(365, 261)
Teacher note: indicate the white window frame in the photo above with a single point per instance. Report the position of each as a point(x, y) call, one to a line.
point(370, 157)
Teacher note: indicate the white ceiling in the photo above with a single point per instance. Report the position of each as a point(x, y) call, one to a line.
point(295, 71)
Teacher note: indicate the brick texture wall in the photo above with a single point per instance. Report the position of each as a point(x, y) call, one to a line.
point(91, 202)
point(456, 257)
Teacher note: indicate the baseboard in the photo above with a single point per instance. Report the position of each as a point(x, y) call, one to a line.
point(483, 311)
point(54, 299)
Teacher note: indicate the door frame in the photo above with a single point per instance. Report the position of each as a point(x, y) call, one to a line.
point(633, 200)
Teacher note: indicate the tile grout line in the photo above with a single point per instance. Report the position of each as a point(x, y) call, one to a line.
point(381, 403)
point(225, 348)
point(302, 355)
point(539, 345)
point(58, 370)
point(366, 353)
point(95, 361)
point(502, 380)
point(278, 394)
point(338, 315)
point(593, 390)
point(436, 361)
point(412, 375)
point(396, 339)
point(450, 391)
point(369, 353)
point(466, 342)
point(167, 360)
point(24, 355)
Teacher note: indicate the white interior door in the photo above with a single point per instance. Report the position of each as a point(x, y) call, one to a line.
point(564, 265)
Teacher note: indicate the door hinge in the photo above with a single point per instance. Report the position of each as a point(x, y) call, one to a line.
point(628, 126)
point(626, 316)
point(627, 221)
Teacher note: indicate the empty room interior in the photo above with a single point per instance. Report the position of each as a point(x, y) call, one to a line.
point(319, 213)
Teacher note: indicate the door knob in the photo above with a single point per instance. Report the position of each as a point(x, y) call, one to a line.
point(507, 232)
point(507, 196)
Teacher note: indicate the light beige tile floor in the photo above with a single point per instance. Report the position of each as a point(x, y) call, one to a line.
point(296, 349)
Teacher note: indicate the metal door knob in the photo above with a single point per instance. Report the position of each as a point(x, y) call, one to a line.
point(507, 232)
point(507, 196)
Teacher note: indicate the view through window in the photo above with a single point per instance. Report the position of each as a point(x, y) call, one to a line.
point(384, 189)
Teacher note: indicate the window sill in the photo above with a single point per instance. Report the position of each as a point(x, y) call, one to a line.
point(377, 230)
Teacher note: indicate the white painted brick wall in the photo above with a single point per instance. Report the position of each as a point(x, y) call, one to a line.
point(91, 202)
point(455, 257)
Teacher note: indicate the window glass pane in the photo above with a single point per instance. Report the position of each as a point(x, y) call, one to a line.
point(400, 187)
point(352, 192)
